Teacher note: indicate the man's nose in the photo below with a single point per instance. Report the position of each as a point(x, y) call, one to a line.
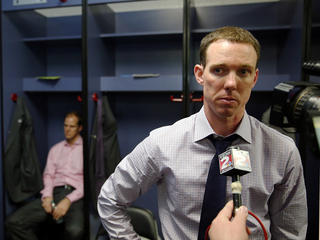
point(231, 81)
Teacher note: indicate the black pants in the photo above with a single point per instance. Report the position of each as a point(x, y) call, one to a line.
point(20, 224)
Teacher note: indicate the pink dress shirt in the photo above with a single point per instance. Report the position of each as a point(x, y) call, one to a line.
point(64, 166)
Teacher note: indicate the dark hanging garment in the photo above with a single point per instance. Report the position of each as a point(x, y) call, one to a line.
point(22, 173)
point(104, 147)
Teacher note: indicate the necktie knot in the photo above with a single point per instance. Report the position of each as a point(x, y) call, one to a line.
point(222, 144)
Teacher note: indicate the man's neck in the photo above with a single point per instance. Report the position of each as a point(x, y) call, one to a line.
point(72, 141)
point(224, 126)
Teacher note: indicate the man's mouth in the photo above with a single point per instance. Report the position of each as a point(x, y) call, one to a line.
point(228, 100)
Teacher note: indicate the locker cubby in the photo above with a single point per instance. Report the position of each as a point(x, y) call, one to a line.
point(35, 45)
point(137, 42)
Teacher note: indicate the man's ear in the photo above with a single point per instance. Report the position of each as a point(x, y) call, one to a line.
point(255, 77)
point(198, 72)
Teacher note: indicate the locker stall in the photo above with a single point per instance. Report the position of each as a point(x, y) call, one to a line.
point(143, 42)
point(42, 65)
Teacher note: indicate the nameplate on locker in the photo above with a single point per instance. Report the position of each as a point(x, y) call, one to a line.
point(27, 2)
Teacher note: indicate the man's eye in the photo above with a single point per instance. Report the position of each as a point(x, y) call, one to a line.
point(217, 70)
point(244, 71)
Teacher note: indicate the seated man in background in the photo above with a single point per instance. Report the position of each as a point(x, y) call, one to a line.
point(63, 188)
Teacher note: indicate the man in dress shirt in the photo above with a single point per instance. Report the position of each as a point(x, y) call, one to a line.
point(177, 157)
point(63, 186)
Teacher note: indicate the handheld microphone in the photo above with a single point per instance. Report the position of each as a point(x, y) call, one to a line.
point(235, 163)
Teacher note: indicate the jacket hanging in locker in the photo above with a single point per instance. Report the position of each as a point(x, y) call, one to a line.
point(22, 173)
point(108, 157)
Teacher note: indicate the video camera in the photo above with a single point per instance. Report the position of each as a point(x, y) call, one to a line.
point(296, 107)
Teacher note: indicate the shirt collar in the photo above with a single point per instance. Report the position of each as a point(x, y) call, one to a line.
point(79, 141)
point(203, 128)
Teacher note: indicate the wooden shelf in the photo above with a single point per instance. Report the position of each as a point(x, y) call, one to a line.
point(131, 84)
point(53, 40)
point(270, 28)
point(64, 84)
point(162, 36)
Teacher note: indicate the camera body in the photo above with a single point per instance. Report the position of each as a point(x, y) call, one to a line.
point(296, 108)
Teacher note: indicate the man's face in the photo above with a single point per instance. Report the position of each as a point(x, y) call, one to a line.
point(228, 78)
point(71, 128)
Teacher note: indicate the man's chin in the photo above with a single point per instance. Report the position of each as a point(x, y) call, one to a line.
point(227, 112)
point(231, 113)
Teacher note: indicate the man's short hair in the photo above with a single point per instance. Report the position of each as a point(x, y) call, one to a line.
point(231, 34)
point(77, 114)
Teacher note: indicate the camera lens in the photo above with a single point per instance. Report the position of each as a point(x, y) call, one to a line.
point(312, 68)
point(305, 99)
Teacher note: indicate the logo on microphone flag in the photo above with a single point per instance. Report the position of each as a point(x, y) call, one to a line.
point(234, 161)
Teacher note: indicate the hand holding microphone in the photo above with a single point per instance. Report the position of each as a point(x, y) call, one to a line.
point(235, 163)
point(222, 228)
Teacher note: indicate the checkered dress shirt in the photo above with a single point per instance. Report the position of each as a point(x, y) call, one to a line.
point(177, 159)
